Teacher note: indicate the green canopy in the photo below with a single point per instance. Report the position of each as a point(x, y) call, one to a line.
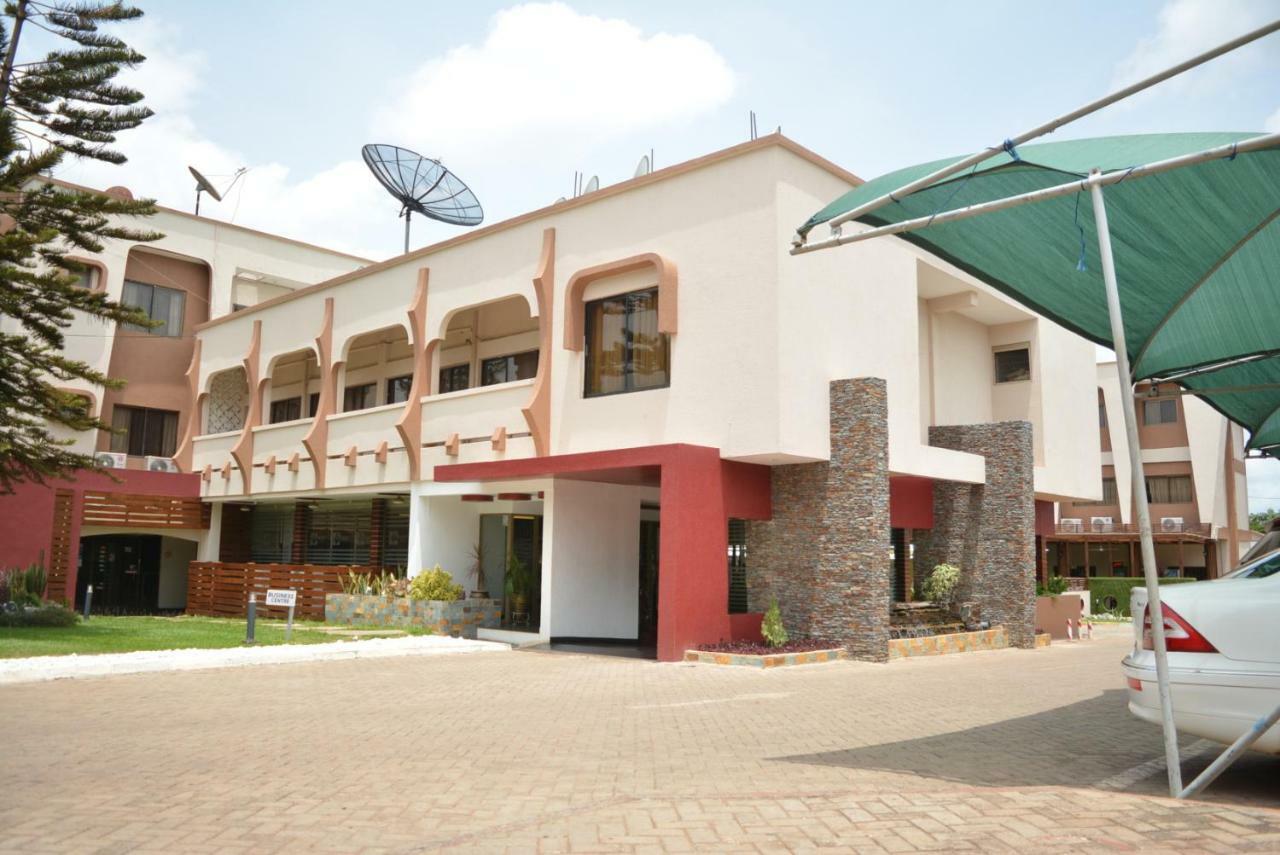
point(1197, 254)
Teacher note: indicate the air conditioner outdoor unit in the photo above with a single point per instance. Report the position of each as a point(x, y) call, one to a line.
point(1100, 523)
point(1171, 523)
point(161, 464)
point(1071, 524)
point(111, 459)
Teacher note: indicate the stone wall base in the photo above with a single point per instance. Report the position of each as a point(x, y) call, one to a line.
point(459, 618)
point(959, 642)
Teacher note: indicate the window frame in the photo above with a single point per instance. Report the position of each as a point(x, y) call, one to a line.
point(453, 369)
point(121, 436)
point(628, 374)
point(390, 385)
point(1163, 402)
point(369, 392)
point(995, 363)
point(149, 308)
point(508, 360)
point(296, 400)
point(1166, 482)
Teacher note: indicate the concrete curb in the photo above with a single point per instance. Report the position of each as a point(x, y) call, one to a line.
point(38, 669)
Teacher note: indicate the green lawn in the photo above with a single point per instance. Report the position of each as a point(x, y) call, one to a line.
point(124, 634)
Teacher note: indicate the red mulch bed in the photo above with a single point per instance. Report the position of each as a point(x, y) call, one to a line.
point(757, 648)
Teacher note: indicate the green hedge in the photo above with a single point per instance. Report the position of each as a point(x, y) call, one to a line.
point(1120, 587)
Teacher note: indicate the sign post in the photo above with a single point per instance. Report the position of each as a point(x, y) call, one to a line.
point(289, 598)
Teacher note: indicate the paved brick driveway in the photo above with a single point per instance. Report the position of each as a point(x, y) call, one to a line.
point(1014, 751)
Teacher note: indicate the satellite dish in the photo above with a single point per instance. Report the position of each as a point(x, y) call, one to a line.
point(592, 186)
point(203, 185)
point(424, 185)
point(644, 167)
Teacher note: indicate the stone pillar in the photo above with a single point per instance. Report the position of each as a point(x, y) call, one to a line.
point(825, 555)
point(988, 530)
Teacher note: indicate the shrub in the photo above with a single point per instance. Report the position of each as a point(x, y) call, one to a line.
point(435, 584)
point(941, 584)
point(519, 579)
point(771, 627)
point(50, 614)
point(1057, 585)
point(389, 584)
point(354, 583)
point(36, 580)
point(17, 581)
point(1111, 593)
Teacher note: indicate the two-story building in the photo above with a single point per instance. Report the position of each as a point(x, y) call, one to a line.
point(1193, 458)
point(132, 531)
point(638, 397)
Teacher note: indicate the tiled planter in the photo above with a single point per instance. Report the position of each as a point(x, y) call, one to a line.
point(458, 618)
point(766, 660)
point(959, 642)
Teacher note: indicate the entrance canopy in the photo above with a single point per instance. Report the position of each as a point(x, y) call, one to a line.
point(1197, 248)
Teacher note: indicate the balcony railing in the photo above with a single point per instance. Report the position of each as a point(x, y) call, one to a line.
point(1157, 527)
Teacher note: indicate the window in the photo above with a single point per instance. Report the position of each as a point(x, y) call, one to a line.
point(161, 304)
point(737, 567)
point(1160, 411)
point(398, 389)
point(1102, 414)
point(286, 410)
point(313, 404)
point(504, 369)
point(271, 532)
point(1109, 494)
point(1013, 365)
point(339, 533)
point(74, 408)
point(359, 397)
point(144, 432)
point(1169, 489)
point(455, 378)
point(625, 351)
point(88, 278)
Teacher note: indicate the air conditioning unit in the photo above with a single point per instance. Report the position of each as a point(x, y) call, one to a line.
point(1171, 523)
point(111, 459)
point(161, 464)
point(1071, 524)
point(1100, 523)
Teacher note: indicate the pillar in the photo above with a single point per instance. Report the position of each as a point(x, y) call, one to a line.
point(825, 555)
point(988, 530)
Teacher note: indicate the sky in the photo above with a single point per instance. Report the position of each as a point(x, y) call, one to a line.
point(516, 97)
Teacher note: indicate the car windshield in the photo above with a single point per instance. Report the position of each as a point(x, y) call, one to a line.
point(1261, 569)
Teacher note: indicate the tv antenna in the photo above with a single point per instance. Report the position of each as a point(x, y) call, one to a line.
point(204, 185)
point(753, 124)
point(422, 184)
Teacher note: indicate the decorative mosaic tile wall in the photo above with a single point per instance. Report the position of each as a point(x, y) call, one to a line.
point(768, 660)
point(460, 618)
point(960, 642)
point(988, 530)
point(825, 553)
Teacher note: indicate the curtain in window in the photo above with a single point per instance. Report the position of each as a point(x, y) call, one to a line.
point(1169, 489)
point(144, 432)
point(648, 346)
point(606, 347)
point(625, 350)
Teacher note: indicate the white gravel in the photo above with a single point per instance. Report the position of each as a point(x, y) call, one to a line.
point(40, 668)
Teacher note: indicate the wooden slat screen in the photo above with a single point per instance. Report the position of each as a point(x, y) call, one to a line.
point(131, 510)
point(60, 547)
point(220, 589)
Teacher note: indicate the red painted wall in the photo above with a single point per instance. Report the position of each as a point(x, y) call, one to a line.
point(26, 515)
point(910, 501)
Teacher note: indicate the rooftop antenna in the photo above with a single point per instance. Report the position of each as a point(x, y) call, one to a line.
point(424, 185)
point(204, 185)
point(644, 167)
point(753, 124)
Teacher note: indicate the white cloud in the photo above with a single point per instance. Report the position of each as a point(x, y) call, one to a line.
point(1189, 27)
point(546, 75)
point(542, 91)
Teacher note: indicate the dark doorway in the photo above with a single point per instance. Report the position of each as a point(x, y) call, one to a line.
point(124, 570)
point(648, 600)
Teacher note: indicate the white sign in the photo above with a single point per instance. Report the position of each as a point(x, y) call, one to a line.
point(282, 598)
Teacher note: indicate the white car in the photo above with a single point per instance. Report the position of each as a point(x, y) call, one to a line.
point(1223, 638)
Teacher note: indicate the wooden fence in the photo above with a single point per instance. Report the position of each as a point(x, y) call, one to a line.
point(219, 589)
point(131, 510)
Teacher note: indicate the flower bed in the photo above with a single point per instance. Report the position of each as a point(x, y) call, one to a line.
point(756, 655)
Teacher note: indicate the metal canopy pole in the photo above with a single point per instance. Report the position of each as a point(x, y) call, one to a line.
point(1140, 487)
point(1048, 127)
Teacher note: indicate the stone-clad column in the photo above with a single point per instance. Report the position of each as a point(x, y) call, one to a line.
point(988, 530)
point(825, 553)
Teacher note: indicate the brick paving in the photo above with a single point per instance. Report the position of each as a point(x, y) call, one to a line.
point(1004, 751)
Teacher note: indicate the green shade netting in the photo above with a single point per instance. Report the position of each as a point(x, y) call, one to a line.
point(1197, 252)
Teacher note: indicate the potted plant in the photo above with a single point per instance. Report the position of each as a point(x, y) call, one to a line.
point(519, 584)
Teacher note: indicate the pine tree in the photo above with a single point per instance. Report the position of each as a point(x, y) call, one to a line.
point(65, 103)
